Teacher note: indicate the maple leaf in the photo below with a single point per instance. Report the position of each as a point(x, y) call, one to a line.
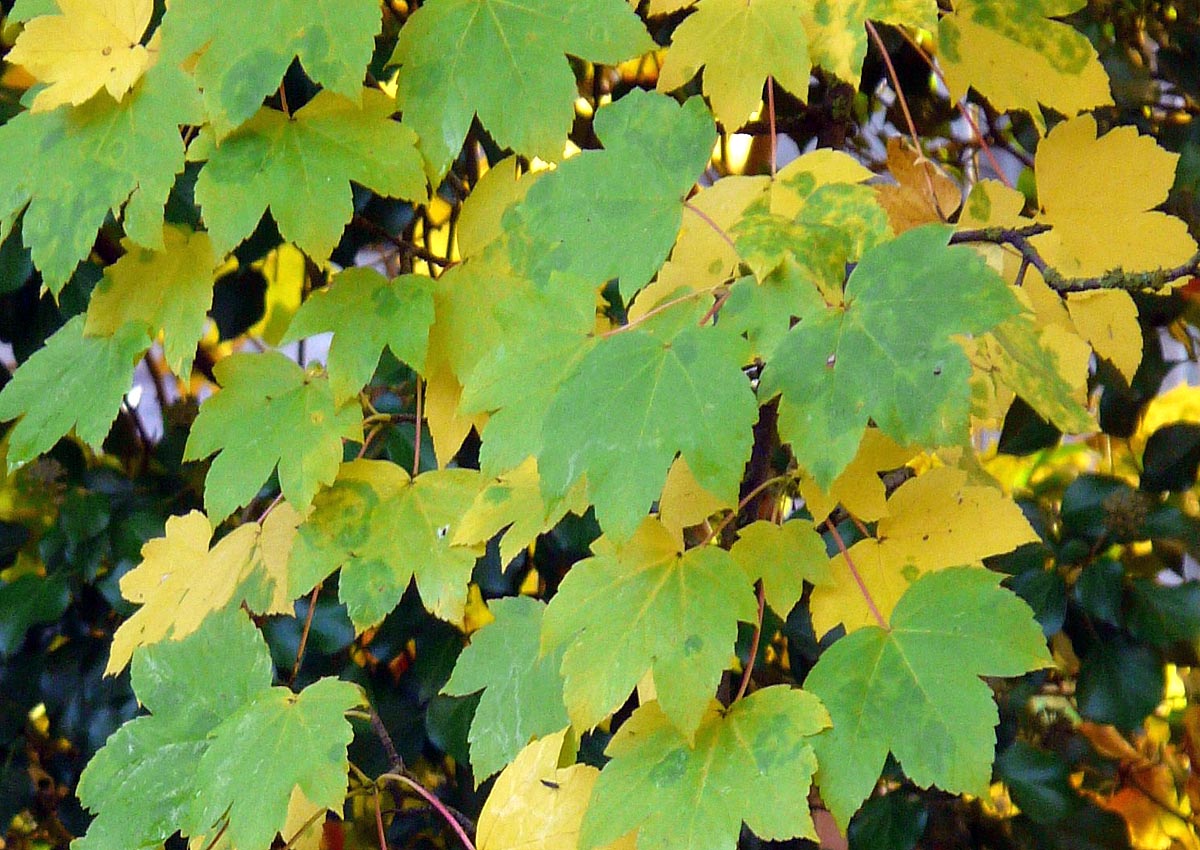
point(1107, 222)
point(188, 692)
point(92, 45)
point(858, 488)
point(784, 557)
point(684, 394)
point(752, 762)
point(887, 354)
point(73, 381)
point(1108, 319)
point(301, 740)
point(645, 606)
point(180, 581)
point(269, 412)
point(383, 529)
point(514, 502)
point(837, 37)
point(504, 662)
point(105, 154)
point(913, 688)
point(936, 520)
point(535, 804)
point(366, 313)
point(168, 290)
point(923, 192)
point(1012, 53)
point(239, 52)
point(506, 63)
point(300, 167)
point(684, 502)
point(545, 336)
point(739, 45)
point(614, 213)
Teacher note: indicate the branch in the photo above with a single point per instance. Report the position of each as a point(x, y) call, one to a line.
point(402, 244)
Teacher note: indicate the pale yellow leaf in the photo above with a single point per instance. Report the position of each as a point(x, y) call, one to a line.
point(536, 805)
point(784, 557)
point(514, 501)
point(1015, 55)
point(666, 7)
point(739, 45)
point(923, 193)
point(180, 581)
point(91, 45)
point(305, 821)
point(1104, 222)
point(822, 167)
point(1108, 319)
point(286, 272)
point(684, 502)
point(859, 488)
point(442, 391)
point(476, 613)
point(935, 521)
point(497, 191)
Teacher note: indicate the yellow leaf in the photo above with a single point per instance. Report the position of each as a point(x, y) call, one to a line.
point(684, 502)
point(859, 488)
point(666, 7)
point(739, 45)
point(476, 614)
point(514, 501)
point(286, 271)
point(536, 805)
point(442, 392)
point(1012, 53)
point(992, 204)
point(304, 825)
point(1103, 223)
point(1107, 318)
point(934, 521)
point(923, 192)
point(482, 211)
point(823, 167)
point(838, 37)
point(180, 581)
point(702, 257)
point(92, 45)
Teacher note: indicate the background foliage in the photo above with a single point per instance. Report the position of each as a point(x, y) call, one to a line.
point(581, 423)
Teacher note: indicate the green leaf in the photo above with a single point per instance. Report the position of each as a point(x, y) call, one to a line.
point(301, 167)
point(366, 313)
point(784, 557)
point(1039, 782)
point(1163, 615)
point(74, 381)
point(1120, 682)
point(751, 762)
point(914, 689)
point(383, 529)
point(545, 333)
point(684, 394)
point(104, 154)
point(269, 411)
point(189, 691)
point(522, 690)
point(739, 45)
point(298, 741)
point(168, 290)
point(887, 355)
point(645, 606)
point(506, 63)
point(244, 49)
point(27, 601)
point(615, 213)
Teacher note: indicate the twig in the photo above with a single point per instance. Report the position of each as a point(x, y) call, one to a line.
point(431, 798)
point(395, 763)
point(402, 244)
point(762, 601)
point(862, 585)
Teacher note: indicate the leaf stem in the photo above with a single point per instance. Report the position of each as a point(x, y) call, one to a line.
point(862, 585)
point(416, 467)
point(308, 621)
point(762, 601)
point(661, 308)
point(402, 244)
point(379, 823)
point(707, 219)
point(291, 842)
point(431, 798)
point(747, 499)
